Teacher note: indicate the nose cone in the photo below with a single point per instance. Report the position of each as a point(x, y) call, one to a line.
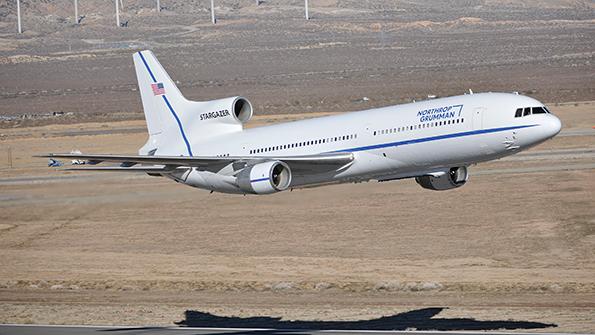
point(552, 125)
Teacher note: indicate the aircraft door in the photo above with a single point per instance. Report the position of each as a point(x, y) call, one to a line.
point(478, 118)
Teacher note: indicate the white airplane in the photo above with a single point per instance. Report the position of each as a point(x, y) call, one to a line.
point(205, 145)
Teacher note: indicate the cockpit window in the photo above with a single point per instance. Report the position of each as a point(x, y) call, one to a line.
point(538, 110)
point(520, 112)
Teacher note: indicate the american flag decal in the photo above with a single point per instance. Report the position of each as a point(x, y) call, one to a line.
point(158, 89)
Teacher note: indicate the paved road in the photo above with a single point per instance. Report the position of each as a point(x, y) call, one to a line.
point(87, 330)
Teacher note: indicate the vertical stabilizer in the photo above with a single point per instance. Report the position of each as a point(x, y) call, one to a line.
point(162, 101)
point(174, 123)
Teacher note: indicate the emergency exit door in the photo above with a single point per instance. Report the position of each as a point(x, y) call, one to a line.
point(478, 118)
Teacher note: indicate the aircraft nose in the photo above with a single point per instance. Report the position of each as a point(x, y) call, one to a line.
point(553, 125)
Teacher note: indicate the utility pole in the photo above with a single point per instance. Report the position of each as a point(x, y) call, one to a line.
point(76, 12)
point(158, 6)
point(117, 14)
point(307, 15)
point(213, 19)
point(19, 16)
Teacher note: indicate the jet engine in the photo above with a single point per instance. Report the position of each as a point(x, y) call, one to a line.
point(451, 178)
point(239, 108)
point(264, 178)
point(242, 109)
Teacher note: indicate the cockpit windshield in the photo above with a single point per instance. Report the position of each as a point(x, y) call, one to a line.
point(520, 112)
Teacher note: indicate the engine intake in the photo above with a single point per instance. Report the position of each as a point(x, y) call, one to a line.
point(242, 109)
point(452, 178)
point(265, 178)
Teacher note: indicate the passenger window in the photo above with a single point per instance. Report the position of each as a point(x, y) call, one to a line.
point(519, 112)
point(527, 111)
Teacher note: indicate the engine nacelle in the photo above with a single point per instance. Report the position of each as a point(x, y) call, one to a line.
point(452, 178)
point(233, 109)
point(265, 178)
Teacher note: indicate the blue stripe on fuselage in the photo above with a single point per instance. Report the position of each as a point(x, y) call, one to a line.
point(432, 138)
point(171, 109)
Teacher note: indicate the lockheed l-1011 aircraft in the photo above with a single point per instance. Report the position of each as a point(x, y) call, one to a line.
point(204, 144)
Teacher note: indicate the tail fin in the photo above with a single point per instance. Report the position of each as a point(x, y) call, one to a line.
point(161, 98)
point(175, 123)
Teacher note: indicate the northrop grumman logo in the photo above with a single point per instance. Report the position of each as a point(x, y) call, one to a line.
point(214, 115)
point(440, 113)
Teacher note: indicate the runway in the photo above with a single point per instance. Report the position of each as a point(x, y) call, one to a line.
point(86, 330)
point(560, 155)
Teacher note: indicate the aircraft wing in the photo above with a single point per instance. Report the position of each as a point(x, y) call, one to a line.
point(164, 164)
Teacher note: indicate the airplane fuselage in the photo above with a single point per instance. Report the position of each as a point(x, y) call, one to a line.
point(399, 141)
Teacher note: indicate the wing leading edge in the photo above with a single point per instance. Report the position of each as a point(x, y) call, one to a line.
point(164, 164)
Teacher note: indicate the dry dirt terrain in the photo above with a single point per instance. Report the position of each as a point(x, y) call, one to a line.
point(514, 244)
point(512, 249)
point(388, 51)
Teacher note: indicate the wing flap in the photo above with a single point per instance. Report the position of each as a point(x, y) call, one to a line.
point(146, 169)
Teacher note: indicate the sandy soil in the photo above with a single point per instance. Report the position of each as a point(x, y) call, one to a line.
point(133, 249)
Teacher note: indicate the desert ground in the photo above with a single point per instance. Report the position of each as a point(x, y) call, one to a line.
point(512, 249)
point(388, 51)
point(515, 243)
